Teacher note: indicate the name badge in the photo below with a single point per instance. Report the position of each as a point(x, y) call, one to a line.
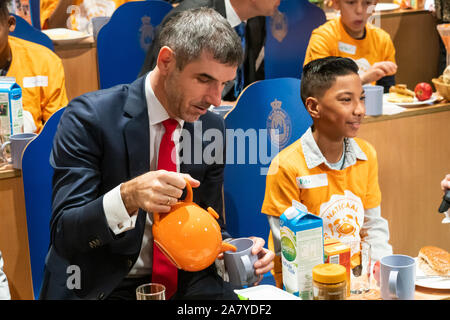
point(313, 181)
point(347, 48)
point(37, 81)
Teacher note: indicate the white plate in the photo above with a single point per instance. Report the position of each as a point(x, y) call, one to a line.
point(63, 35)
point(386, 6)
point(434, 283)
point(265, 292)
point(415, 103)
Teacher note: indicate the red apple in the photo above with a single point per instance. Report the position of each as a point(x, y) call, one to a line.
point(376, 271)
point(423, 91)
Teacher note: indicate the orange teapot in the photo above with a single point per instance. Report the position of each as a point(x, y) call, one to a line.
point(188, 235)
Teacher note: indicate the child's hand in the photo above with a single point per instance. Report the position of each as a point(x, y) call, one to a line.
point(378, 71)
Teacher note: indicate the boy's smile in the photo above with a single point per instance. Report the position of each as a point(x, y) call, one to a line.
point(341, 108)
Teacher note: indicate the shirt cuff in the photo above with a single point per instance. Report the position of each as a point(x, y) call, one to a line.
point(116, 214)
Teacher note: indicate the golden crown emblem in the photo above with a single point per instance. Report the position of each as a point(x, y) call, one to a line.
point(145, 20)
point(276, 104)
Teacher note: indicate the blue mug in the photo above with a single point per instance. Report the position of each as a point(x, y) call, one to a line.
point(374, 100)
point(398, 276)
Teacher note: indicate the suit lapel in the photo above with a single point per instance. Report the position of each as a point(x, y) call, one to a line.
point(137, 144)
point(136, 131)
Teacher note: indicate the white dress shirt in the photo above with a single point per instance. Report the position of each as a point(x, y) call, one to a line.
point(116, 215)
point(232, 17)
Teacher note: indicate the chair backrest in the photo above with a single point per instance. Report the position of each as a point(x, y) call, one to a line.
point(251, 145)
point(287, 37)
point(37, 174)
point(27, 32)
point(35, 12)
point(123, 42)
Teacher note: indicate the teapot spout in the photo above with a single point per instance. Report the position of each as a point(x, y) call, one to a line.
point(228, 247)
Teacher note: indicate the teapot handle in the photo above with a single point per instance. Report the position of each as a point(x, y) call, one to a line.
point(155, 217)
point(189, 198)
point(189, 195)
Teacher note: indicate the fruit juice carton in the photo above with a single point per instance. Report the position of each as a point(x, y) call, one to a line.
point(302, 249)
point(330, 241)
point(11, 110)
point(339, 253)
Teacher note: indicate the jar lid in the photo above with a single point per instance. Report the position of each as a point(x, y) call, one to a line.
point(329, 273)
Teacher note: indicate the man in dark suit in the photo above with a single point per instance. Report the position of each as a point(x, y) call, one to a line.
point(107, 184)
point(252, 13)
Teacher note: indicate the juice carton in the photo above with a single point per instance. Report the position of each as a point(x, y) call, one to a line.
point(329, 241)
point(11, 110)
point(339, 253)
point(302, 249)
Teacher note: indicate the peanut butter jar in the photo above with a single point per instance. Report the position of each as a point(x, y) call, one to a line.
point(329, 282)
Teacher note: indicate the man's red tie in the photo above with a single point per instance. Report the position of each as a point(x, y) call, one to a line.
point(164, 271)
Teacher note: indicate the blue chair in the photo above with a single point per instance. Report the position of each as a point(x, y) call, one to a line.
point(37, 174)
point(25, 31)
point(123, 42)
point(264, 105)
point(35, 12)
point(287, 37)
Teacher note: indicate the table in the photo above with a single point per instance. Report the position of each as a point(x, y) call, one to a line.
point(421, 293)
point(14, 234)
point(413, 151)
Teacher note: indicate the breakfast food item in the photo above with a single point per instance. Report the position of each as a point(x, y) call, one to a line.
point(434, 261)
point(400, 93)
point(446, 75)
point(423, 91)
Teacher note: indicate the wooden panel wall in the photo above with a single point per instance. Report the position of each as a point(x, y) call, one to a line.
point(413, 157)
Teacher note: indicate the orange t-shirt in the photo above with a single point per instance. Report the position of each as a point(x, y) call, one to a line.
point(339, 197)
point(40, 74)
point(331, 39)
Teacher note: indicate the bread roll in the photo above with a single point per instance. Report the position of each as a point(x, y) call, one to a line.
point(434, 261)
point(446, 75)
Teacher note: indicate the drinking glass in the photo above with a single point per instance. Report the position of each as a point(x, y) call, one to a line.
point(151, 291)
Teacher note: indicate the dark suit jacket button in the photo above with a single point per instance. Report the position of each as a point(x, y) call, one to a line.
point(101, 296)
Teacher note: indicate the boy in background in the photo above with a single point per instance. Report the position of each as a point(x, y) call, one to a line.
point(341, 170)
point(38, 71)
point(351, 36)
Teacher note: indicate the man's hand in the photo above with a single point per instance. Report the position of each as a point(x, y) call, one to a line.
point(445, 184)
point(265, 258)
point(379, 70)
point(155, 191)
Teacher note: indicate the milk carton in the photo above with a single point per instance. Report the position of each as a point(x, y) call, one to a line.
point(11, 110)
point(302, 249)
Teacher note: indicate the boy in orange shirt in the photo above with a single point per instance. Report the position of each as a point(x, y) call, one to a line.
point(37, 70)
point(334, 174)
point(352, 36)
